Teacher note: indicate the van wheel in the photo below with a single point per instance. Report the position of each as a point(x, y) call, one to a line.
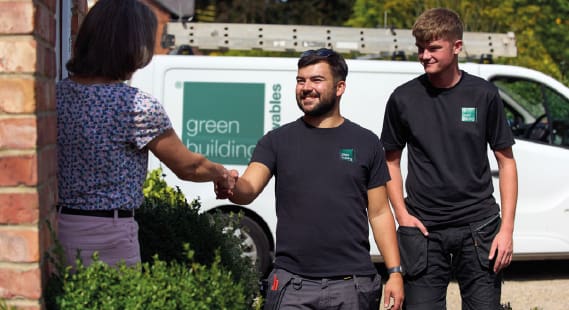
point(256, 244)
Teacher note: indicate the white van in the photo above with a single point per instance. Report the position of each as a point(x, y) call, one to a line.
point(221, 106)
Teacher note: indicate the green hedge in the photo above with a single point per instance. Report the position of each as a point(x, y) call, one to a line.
point(190, 260)
point(159, 285)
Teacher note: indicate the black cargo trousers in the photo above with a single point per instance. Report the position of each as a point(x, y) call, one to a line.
point(461, 252)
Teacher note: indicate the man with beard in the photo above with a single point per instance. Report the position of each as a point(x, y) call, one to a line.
point(330, 182)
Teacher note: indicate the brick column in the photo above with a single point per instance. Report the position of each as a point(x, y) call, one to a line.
point(28, 162)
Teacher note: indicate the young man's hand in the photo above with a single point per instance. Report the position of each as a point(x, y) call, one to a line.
point(393, 292)
point(502, 249)
point(409, 220)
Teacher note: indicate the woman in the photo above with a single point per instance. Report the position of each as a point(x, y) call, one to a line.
point(105, 130)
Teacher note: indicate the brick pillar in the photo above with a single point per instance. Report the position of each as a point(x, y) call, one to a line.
point(28, 162)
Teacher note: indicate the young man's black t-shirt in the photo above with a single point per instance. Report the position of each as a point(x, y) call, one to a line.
point(447, 131)
point(322, 178)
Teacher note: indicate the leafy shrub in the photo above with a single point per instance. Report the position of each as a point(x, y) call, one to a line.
point(167, 222)
point(190, 260)
point(4, 306)
point(159, 285)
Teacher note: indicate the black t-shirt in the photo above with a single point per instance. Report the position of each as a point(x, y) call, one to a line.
point(322, 177)
point(447, 131)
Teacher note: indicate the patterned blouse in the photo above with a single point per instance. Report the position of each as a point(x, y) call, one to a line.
point(102, 133)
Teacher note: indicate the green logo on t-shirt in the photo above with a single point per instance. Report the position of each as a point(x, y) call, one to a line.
point(469, 114)
point(347, 155)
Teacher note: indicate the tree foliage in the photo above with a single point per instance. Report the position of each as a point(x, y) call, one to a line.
point(552, 30)
point(302, 12)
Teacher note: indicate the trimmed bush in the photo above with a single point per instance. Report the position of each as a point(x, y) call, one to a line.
point(159, 285)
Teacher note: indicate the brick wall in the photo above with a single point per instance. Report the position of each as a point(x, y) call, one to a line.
point(28, 129)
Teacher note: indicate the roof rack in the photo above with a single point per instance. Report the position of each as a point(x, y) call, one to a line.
point(298, 38)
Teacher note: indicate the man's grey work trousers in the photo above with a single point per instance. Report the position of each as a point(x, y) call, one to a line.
point(290, 291)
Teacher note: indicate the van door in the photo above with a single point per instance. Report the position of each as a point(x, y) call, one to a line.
point(539, 118)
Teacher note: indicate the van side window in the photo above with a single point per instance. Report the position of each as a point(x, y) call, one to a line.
point(535, 112)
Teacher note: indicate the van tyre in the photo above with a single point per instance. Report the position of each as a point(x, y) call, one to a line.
point(256, 245)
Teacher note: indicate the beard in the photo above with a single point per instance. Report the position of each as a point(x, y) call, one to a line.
point(326, 104)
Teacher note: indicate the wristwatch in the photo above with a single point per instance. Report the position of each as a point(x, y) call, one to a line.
point(395, 269)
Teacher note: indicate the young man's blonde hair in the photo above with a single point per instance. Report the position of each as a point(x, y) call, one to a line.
point(438, 24)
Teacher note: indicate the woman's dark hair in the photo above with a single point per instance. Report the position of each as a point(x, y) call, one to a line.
point(116, 38)
point(335, 60)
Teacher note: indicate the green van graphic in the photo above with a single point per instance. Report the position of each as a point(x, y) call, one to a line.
point(223, 121)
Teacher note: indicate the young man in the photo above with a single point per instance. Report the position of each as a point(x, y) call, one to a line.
point(449, 222)
point(330, 182)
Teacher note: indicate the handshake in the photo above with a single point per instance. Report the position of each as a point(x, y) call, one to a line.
point(224, 186)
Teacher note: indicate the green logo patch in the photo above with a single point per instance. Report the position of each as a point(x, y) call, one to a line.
point(469, 114)
point(348, 155)
point(223, 121)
